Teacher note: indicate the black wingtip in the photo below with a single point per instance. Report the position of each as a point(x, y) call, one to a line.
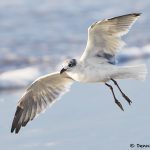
point(17, 116)
point(130, 14)
point(137, 14)
point(12, 129)
point(17, 129)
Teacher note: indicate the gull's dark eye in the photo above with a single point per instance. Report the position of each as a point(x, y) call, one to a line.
point(70, 65)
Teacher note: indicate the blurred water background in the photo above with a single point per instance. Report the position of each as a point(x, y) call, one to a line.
point(35, 37)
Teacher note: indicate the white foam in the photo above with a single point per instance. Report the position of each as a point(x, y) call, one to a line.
point(18, 78)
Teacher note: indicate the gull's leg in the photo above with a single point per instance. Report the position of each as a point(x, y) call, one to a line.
point(126, 97)
point(116, 101)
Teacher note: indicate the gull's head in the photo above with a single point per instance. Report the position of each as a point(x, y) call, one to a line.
point(68, 65)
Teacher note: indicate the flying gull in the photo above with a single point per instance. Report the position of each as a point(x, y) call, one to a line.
point(97, 64)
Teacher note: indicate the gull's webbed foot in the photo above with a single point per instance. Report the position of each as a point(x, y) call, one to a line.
point(124, 96)
point(119, 104)
point(127, 98)
point(116, 101)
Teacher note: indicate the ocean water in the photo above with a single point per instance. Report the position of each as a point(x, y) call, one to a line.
point(35, 37)
point(42, 33)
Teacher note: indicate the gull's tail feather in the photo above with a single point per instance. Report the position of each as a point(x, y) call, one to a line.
point(138, 72)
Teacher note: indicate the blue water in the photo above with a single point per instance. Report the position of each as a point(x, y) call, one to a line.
point(43, 33)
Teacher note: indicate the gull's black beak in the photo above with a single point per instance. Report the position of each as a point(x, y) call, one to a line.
point(62, 70)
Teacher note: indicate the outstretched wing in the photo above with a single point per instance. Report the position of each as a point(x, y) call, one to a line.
point(42, 93)
point(104, 37)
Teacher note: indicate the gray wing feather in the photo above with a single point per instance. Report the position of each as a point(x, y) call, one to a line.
point(41, 94)
point(104, 37)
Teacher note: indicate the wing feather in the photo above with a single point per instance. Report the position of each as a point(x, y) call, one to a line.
point(104, 37)
point(41, 94)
